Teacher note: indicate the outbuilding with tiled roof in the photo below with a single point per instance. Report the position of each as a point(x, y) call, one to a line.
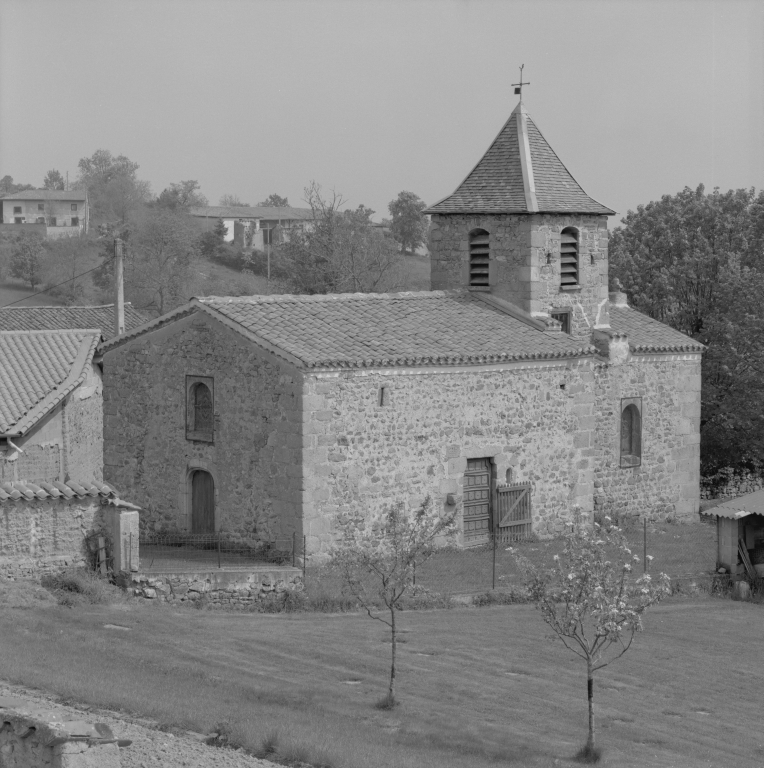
point(69, 317)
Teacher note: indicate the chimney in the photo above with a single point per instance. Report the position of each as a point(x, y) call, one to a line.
point(119, 287)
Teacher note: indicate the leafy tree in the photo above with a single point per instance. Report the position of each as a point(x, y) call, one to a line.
point(275, 201)
point(593, 602)
point(159, 255)
point(377, 556)
point(338, 251)
point(53, 180)
point(7, 187)
point(409, 224)
point(27, 258)
point(232, 201)
point(696, 262)
point(181, 196)
point(116, 194)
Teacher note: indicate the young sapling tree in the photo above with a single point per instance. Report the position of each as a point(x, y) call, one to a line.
point(377, 556)
point(593, 602)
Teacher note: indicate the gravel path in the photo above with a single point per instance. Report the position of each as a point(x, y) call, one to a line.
point(151, 747)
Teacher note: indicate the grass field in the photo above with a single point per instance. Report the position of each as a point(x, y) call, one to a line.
point(479, 687)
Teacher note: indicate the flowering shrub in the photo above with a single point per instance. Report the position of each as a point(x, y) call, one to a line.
point(592, 598)
point(377, 555)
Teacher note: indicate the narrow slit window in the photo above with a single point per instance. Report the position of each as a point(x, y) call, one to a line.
point(200, 408)
point(479, 259)
point(631, 432)
point(383, 396)
point(568, 258)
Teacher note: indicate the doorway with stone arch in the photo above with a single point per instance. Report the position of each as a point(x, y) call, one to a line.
point(202, 501)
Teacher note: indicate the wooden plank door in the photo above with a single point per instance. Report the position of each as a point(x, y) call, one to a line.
point(477, 501)
point(202, 502)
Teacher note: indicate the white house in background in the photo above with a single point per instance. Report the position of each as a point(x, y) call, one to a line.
point(255, 226)
point(62, 212)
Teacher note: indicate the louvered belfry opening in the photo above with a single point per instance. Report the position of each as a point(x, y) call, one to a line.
point(568, 257)
point(479, 257)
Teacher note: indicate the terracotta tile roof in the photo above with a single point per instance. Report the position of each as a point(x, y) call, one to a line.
point(648, 335)
point(496, 185)
point(71, 489)
point(374, 330)
point(251, 212)
point(60, 318)
point(48, 194)
point(39, 369)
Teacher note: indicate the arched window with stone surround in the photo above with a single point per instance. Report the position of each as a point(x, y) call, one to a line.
point(631, 432)
point(479, 259)
point(569, 276)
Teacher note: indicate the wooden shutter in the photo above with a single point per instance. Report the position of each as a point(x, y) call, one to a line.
point(479, 258)
point(568, 258)
point(513, 512)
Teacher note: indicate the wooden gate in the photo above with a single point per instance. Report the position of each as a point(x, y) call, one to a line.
point(477, 501)
point(512, 520)
point(202, 502)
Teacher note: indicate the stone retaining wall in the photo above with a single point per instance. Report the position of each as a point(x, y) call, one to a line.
point(225, 588)
point(34, 737)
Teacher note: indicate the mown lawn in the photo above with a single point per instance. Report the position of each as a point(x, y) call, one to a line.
point(479, 686)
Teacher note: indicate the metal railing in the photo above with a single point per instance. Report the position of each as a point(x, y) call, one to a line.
point(175, 551)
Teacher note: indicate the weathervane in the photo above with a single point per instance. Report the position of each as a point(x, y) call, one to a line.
point(519, 86)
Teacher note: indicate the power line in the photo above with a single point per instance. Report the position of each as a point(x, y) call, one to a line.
point(31, 295)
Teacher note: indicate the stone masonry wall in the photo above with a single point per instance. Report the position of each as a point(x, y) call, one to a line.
point(221, 588)
point(43, 535)
point(83, 414)
point(536, 420)
point(256, 455)
point(667, 484)
point(42, 457)
point(518, 270)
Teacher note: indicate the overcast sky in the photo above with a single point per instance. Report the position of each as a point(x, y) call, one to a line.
point(371, 97)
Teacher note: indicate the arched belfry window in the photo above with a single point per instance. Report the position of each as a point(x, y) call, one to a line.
point(200, 408)
point(569, 258)
point(631, 432)
point(479, 258)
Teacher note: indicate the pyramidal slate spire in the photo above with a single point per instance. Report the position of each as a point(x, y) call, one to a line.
point(520, 173)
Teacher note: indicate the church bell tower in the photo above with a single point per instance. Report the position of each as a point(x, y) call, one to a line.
point(521, 228)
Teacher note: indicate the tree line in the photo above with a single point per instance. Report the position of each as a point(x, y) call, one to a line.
point(339, 250)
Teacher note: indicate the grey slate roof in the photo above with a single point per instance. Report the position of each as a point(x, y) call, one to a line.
point(648, 335)
point(59, 318)
point(356, 330)
point(495, 185)
point(48, 194)
point(251, 212)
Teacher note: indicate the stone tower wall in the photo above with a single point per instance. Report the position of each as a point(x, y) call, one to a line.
point(518, 271)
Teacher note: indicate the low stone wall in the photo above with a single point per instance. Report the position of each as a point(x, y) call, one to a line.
point(34, 737)
point(728, 485)
point(225, 588)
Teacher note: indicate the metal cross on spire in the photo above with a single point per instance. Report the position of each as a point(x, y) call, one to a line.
point(519, 86)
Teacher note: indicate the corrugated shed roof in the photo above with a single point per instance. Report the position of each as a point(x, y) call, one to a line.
point(750, 504)
point(378, 330)
point(495, 184)
point(648, 335)
point(61, 318)
point(76, 195)
point(251, 212)
point(39, 369)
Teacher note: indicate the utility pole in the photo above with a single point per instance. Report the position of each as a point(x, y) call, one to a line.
point(119, 287)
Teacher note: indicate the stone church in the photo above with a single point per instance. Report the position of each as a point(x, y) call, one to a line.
point(516, 392)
